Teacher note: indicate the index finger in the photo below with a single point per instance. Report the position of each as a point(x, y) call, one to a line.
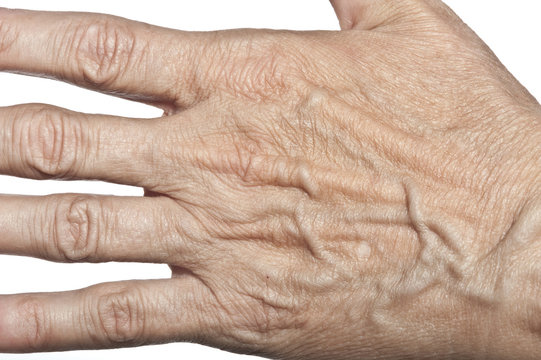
point(102, 52)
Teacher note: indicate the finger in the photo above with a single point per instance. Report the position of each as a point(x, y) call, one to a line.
point(372, 14)
point(43, 142)
point(361, 14)
point(108, 315)
point(87, 228)
point(102, 52)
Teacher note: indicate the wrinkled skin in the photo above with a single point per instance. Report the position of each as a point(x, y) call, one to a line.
point(368, 193)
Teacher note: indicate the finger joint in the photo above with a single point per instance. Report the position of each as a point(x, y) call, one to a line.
point(76, 229)
point(103, 50)
point(50, 142)
point(121, 317)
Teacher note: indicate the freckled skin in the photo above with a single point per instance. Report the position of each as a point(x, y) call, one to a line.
point(372, 193)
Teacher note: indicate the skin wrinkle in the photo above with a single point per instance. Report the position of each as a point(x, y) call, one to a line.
point(395, 153)
point(104, 52)
point(317, 195)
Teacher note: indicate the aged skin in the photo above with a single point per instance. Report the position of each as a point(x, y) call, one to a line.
point(370, 193)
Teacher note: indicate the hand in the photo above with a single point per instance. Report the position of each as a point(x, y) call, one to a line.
point(370, 193)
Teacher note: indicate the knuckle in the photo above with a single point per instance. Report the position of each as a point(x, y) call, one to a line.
point(261, 322)
point(244, 161)
point(249, 151)
point(76, 227)
point(242, 152)
point(50, 141)
point(262, 68)
point(121, 317)
point(35, 322)
point(102, 50)
point(265, 318)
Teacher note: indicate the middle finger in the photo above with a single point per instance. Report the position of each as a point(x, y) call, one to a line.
point(87, 228)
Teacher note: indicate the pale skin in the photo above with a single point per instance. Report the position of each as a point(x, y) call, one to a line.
point(368, 193)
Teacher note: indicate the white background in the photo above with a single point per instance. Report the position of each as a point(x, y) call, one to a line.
point(511, 29)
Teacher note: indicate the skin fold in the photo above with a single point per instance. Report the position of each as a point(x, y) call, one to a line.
point(370, 193)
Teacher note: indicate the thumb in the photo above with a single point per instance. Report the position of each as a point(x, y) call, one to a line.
point(371, 14)
point(354, 13)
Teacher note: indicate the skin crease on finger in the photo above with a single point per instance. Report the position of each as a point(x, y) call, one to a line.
point(370, 193)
